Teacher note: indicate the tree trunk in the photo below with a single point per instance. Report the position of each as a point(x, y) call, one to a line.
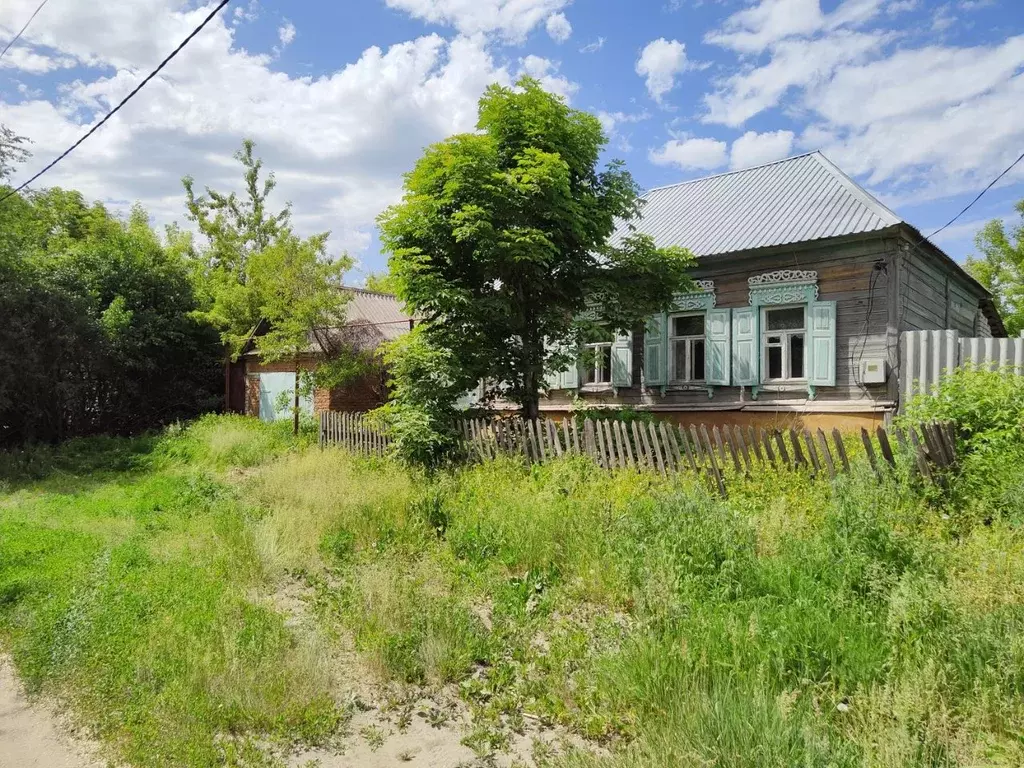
point(295, 416)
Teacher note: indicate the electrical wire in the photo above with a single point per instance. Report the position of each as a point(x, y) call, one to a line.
point(22, 30)
point(976, 199)
point(123, 101)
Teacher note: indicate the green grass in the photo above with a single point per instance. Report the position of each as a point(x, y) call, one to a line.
point(796, 623)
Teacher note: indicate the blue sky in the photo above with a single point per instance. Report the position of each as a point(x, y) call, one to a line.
point(919, 100)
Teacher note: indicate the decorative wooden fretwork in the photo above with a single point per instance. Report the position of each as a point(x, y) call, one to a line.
point(701, 298)
point(784, 286)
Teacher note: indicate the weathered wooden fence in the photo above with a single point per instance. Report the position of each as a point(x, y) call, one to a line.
point(663, 447)
point(354, 432)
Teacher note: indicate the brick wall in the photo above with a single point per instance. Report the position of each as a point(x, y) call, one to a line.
point(363, 394)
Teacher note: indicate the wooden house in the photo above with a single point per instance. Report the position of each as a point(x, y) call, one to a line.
point(803, 285)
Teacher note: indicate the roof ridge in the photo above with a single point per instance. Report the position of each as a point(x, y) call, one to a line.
point(880, 208)
point(356, 289)
point(738, 170)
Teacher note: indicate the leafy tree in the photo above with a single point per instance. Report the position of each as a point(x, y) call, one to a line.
point(1001, 268)
point(381, 282)
point(501, 243)
point(254, 268)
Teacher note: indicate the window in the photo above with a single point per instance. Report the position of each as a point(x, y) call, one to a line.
point(596, 364)
point(686, 348)
point(784, 353)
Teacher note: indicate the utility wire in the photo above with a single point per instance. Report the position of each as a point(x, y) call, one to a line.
point(123, 101)
point(971, 204)
point(18, 36)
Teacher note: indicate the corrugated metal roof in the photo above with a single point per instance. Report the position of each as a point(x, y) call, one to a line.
point(789, 201)
point(380, 311)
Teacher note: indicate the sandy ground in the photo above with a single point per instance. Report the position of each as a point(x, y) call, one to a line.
point(31, 735)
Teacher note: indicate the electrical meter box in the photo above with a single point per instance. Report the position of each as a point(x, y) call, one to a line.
point(873, 371)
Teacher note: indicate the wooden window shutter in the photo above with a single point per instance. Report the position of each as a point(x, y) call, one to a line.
point(717, 331)
point(746, 347)
point(622, 361)
point(821, 335)
point(656, 351)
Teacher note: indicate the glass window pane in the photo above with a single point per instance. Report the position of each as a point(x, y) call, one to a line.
point(606, 364)
point(698, 360)
point(785, 319)
point(774, 339)
point(679, 360)
point(796, 356)
point(692, 325)
point(774, 362)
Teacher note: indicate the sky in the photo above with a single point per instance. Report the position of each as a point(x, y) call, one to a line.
point(921, 101)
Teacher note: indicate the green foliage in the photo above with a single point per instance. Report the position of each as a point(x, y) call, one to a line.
point(98, 334)
point(1000, 268)
point(420, 413)
point(988, 410)
point(501, 242)
point(254, 268)
point(381, 282)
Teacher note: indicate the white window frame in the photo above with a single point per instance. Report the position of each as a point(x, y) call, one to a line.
point(672, 339)
point(786, 335)
point(593, 360)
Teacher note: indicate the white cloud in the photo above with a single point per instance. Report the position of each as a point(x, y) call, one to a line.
point(339, 143)
point(546, 72)
point(558, 27)
point(691, 154)
point(286, 33)
point(758, 148)
point(23, 59)
point(593, 47)
point(611, 122)
point(512, 19)
point(660, 61)
point(769, 22)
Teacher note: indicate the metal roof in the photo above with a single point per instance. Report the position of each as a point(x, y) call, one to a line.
point(380, 311)
point(794, 200)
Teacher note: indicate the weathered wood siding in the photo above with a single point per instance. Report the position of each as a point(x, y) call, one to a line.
point(847, 274)
point(935, 296)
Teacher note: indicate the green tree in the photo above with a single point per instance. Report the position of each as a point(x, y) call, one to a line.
point(501, 242)
point(1000, 268)
point(381, 282)
point(254, 267)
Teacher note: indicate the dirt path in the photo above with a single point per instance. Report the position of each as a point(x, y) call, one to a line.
point(31, 736)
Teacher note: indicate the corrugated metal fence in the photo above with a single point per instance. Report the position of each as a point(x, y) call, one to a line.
point(926, 355)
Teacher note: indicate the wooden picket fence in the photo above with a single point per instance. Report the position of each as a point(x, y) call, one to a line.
point(354, 432)
point(663, 447)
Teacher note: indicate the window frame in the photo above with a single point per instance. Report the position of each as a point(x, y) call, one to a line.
point(689, 339)
point(786, 345)
point(586, 365)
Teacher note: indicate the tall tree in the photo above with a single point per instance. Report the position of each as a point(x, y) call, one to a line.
point(254, 267)
point(1001, 268)
point(501, 242)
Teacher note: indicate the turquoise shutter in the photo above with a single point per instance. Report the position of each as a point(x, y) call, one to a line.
point(655, 351)
point(622, 361)
point(717, 329)
point(821, 348)
point(745, 347)
point(570, 377)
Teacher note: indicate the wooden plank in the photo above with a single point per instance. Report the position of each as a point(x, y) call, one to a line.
point(719, 445)
point(733, 452)
point(901, 440)
point(553, 436)
point(919, 454)
point(885, 447)
point(812, 454)
point(668, 439)
point(657, 447)
point(641, 458)
point(752, 439)
point(698, 452)
point(539, 434)
point(615, 459)
point(837, 438)
point(518, 425)
point(566, 435)
point(798, 454)
point(686, 449)
point(748, 464)
point(590, 444)
point(826, 454)
point(870, 449)
point(575, 437)
point(625, 449)
point(948, 440)
point(620, 449)
point(766, 441)
point(710, 451)
point(602, 451)
point(780, 444)
point(940, 443)
point(648, 453)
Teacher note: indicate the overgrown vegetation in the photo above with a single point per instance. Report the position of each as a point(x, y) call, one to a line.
point(796, 623)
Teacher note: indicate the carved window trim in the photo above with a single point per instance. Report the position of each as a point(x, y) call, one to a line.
point(703, 298)
point(783, 286)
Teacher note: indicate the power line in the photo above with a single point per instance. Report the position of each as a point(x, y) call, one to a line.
point(123, 101)
point(22, 31)
point(971, 204)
